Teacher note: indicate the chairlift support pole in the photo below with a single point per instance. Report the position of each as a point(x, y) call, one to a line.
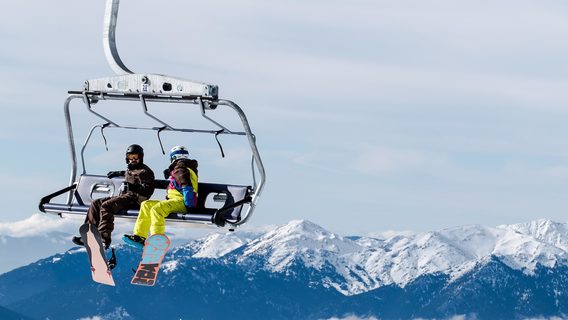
point(109, 38)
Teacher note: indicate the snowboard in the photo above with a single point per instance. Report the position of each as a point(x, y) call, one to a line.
point(154, 251)
point(100, 269)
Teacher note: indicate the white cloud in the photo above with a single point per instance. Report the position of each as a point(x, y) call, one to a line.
point(536, 174)
point(36, 225)
point(382, 161)
point(43, 224)
point(319, 160)
point(557, 173)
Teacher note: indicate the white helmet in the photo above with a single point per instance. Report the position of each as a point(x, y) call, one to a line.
point(179, 152)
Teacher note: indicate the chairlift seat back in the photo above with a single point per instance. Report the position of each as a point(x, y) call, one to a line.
point(212, 196)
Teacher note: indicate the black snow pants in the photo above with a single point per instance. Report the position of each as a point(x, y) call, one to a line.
point(101, 213)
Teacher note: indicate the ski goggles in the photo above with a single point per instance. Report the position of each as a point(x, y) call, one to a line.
point(132, 157)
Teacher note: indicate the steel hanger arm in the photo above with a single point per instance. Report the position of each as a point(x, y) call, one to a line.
point(109, 38)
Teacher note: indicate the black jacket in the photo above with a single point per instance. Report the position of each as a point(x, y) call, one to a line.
point(140, 179)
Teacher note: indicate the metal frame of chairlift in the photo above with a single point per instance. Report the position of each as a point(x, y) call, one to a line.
point(144, 88)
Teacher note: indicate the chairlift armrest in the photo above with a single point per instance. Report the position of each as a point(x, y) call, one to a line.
point(246, 199)
point(48, 198)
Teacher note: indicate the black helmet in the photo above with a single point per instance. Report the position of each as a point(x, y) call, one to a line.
point(135, 149)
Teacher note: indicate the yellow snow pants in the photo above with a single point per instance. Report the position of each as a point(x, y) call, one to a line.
point(153, 215)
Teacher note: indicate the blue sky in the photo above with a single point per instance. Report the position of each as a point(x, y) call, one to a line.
point(370, 115)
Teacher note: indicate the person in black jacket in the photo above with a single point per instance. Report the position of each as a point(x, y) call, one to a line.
point(137, 187)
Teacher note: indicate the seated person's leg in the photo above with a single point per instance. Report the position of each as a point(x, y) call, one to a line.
point(108, 209)
point(160, 211)
point(142, 225)
point(93, 214)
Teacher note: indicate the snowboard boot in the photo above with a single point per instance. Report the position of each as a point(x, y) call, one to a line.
point(78, 241)
point(134, 240)
point(106, 239)
point(112, 261)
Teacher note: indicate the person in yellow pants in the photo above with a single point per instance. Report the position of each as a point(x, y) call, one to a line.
point(182, 194)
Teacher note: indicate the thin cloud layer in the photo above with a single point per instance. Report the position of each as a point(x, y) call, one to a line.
point(43, 224)
point(36, 225)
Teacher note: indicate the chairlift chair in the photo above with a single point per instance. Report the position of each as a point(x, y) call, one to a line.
point(128, 86)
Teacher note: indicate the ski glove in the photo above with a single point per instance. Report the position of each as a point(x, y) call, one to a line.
point(187, 192)
point(167, 173)
point(113, 174)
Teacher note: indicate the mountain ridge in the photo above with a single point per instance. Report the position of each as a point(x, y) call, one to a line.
point(368, 262)
point(301, 270)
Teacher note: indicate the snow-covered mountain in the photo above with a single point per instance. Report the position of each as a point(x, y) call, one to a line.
point(366, 263)
point(300, 270)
